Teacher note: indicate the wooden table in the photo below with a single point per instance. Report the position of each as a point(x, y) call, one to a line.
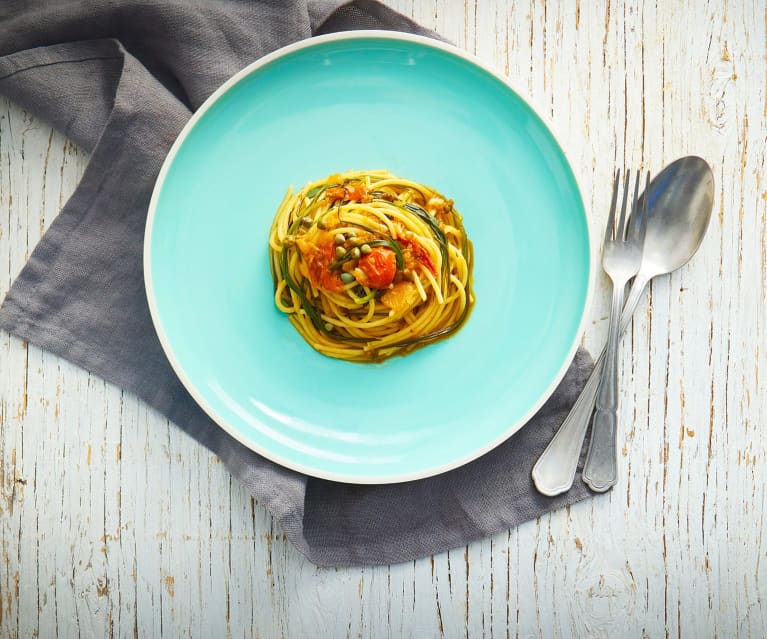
point(115, 523)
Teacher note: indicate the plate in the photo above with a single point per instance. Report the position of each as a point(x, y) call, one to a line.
point(363, 100)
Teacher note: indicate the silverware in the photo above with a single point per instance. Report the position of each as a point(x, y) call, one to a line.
point(621, 259)
point(680, 201)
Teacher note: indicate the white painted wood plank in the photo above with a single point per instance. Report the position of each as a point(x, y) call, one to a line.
point(114, 523)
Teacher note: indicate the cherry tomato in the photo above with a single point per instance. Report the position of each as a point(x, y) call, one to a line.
point(379, 267)
point(414, 252)
point(318, 258)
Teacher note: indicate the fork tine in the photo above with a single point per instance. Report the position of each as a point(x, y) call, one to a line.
point(642, 226)
point(637, 215)
point(635, 204)
point(610, 227)
point(621, 232)
point(638, 221)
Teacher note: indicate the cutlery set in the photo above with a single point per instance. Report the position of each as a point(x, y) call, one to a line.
point(658, 234)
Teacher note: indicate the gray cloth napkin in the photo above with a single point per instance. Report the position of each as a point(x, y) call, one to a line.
point(121, 79)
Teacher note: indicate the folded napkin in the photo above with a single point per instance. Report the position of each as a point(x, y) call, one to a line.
point(121, 79)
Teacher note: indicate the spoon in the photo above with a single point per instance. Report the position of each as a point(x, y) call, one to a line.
point(679, 210)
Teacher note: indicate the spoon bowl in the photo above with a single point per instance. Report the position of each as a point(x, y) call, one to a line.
point(679, 212)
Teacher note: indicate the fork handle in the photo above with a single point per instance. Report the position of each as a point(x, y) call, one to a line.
point(555, 469)
point(601, 470)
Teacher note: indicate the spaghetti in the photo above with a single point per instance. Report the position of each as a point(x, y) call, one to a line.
point(368, 265)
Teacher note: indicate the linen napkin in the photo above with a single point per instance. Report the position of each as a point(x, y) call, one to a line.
point(121, 79)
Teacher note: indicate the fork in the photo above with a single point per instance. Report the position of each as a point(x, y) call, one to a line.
point(621, 258)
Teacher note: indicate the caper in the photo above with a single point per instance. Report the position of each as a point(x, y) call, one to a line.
point(340, 251)
point(306, 220)
point(340, 239)
point(365, 248)
point(347, 278)
point(355, 252)
point(328, 326)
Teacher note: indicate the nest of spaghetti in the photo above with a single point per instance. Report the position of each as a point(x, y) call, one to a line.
point(368, 265)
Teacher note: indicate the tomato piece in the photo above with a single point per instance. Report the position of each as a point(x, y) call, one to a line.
point(379, 267)
point(355, 192)
point(318, 258)
point(335, 193)
point(350, 192)
point(413, 251)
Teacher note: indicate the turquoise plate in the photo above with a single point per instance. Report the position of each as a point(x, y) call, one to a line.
point(363, 100)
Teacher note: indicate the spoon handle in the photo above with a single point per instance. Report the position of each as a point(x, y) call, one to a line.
point(555, 469)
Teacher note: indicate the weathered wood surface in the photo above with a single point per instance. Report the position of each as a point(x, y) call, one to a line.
point(114, 523)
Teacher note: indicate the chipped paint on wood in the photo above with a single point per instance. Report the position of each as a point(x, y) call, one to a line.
point(115, 523)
